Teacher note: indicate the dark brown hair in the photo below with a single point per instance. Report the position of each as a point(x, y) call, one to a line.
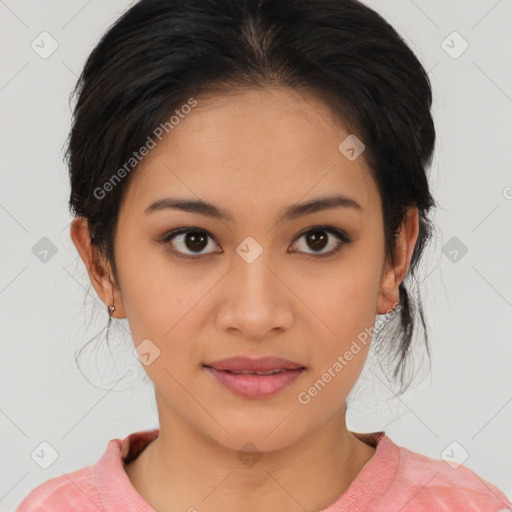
point(160, 53)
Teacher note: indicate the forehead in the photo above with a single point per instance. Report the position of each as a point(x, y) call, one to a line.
point(253, 148)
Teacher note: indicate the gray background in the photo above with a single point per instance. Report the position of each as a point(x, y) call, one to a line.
point(47, 306)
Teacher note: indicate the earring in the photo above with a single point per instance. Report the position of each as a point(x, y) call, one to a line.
point(111, 309)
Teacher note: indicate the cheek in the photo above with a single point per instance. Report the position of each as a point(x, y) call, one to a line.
point(345, 313)
point(343, 299)
point(154, 293)
point(165, 303)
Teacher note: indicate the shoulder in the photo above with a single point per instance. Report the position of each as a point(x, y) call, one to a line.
point(72, 491)
point(100, 486)
point(435, 484)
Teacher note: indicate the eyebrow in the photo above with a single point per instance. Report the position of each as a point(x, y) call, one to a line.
point(289, 213)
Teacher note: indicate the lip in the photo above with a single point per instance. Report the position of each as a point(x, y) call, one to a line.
point(255, 386)
point(261, 364)
point(252, 385)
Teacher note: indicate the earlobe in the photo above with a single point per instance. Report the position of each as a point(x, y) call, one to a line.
point(389, 294)
point(393, 275)
point(97, 268)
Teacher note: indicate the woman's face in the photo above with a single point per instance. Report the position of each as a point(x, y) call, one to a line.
point(258, 282)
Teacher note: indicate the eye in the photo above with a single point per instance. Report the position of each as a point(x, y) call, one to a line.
point(192, 239)
point(198, 240)
point(317, 238)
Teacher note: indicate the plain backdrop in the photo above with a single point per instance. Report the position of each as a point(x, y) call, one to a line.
point(462, 406)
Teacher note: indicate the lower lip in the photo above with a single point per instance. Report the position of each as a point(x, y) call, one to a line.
point(255, 386)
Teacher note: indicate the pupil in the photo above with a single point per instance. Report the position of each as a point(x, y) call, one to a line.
point(195, 241)
point(318, 238)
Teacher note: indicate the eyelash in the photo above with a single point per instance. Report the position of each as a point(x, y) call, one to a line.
point(341, 235)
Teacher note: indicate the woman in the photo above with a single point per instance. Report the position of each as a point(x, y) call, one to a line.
point(249, 184)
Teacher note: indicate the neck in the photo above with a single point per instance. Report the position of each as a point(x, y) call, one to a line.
point(182, 468)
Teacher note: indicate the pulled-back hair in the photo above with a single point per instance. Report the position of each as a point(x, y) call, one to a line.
point(161, 53)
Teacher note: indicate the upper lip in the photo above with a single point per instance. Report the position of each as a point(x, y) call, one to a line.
point(261, 364)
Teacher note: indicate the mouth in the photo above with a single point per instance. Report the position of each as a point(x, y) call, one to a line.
point(255, 384)
point(249, 364)
point(253, 372)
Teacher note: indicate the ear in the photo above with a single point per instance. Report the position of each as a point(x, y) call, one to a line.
point(393, 276)
point(98, 268)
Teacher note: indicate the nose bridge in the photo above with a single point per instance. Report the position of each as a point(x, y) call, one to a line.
point(254, 302)
point(252, 270)
point(254, 305)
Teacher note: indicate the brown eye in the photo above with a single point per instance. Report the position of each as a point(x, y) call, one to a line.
point(192, 243)
point(188, 242)
point(195, 241)
point(319, 238)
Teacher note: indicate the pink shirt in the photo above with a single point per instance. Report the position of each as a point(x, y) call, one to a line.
point(395, 479)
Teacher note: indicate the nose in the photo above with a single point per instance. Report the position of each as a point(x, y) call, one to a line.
point(255, 299)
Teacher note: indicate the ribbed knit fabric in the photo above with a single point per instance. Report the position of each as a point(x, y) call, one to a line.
point(394, 480)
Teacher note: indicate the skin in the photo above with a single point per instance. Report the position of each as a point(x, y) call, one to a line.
point(286, 303)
